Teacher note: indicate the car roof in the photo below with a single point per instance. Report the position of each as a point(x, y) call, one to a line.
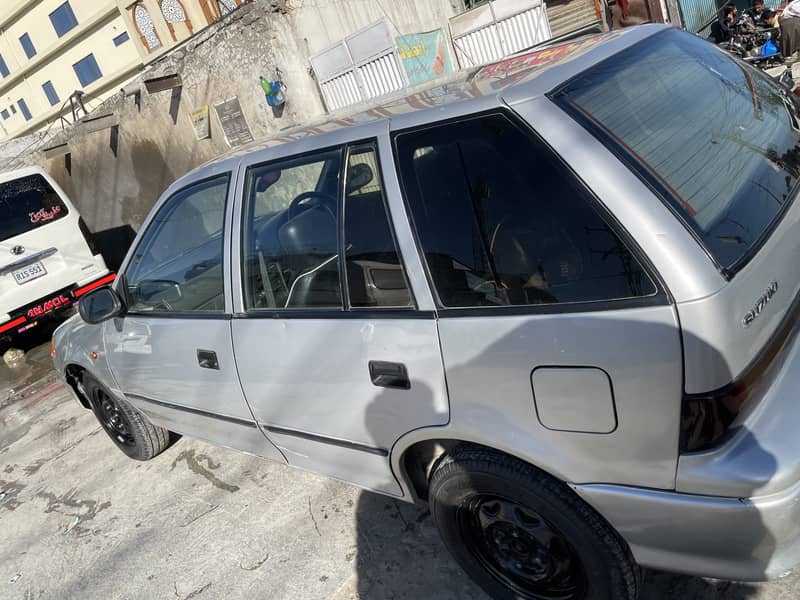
point(23, 172)
point(525, 75)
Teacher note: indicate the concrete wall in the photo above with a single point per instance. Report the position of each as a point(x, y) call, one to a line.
point(156, 143)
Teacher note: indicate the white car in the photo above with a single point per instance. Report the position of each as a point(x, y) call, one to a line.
point(47, 258)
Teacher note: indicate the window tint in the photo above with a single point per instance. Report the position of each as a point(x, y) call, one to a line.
point(177, 266)
point(23, 107)
point(87, 70)
point(502, 222)
point(13, 110)
point(121, 38)
point(375, 275)
point(63, 19)
point(727, 162)
point(4, 114)
point(3, 67)
point(27, 203)
point(50, 92)
point(27, 45)
point(290, 242)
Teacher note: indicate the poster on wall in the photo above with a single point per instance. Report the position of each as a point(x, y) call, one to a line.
point(425, 56)
point(234, 125)
point(200, 123)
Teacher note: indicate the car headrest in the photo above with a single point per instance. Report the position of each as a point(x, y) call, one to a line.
point(311, 232)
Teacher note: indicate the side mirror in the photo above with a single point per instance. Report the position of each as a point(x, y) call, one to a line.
point(100, 305)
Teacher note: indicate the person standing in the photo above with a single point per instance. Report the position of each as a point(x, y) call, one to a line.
point(790, 29)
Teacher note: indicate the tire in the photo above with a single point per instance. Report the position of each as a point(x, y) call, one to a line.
point(131, 431)
point(521, 534)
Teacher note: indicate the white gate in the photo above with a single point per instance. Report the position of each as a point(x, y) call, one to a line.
point(362, 66)
point(498, 29)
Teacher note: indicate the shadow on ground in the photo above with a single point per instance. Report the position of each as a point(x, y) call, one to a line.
point(400, 556)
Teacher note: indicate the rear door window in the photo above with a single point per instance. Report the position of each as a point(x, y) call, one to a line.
point(503, 223)
point(26, 204)
point(290, 242)
point(717, 139)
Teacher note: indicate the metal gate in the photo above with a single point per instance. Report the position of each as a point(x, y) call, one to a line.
point(362, 66)
point(697, 13)
point(498, 29)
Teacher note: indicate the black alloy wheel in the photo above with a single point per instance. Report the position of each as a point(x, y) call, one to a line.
point(130, 430)
point(113, 419)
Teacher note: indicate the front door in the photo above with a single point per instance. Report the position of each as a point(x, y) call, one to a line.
point(171, 353)
point(335, 360)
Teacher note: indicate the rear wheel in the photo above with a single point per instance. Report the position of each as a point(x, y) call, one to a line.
point(521, 534)
point(131, 431)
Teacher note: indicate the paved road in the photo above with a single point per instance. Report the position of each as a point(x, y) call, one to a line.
point(205, 522)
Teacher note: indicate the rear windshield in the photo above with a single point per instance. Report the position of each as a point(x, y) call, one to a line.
point(27, 203)
point(717, 139)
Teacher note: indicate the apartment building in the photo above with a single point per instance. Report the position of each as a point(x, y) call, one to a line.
point(50, 49)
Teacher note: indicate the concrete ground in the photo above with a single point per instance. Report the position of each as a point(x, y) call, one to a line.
point(80, 520)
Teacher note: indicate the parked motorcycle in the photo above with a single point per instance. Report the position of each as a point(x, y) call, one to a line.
point(753, 44)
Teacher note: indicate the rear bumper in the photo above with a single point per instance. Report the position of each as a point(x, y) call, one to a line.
point(745, 539)
point(25, 317)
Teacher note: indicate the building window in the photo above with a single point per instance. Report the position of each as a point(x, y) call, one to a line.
point(87, 70)
point(63, 19)
point(27, 45)
point(173, 13)
point(50, 92)
point(146, 27)
point(3, 67)
point(4, 114)
point(23, 108)
point(121, 38)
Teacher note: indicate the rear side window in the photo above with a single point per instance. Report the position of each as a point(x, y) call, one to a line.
point(27, 203)
point(503, 223)
point(716, 138)
point(177, 267)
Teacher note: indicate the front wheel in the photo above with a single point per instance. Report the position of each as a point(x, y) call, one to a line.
point(131, 431)
point(520, 534)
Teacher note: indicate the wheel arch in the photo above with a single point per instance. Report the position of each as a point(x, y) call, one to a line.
point(73, 375)
point(415, 456)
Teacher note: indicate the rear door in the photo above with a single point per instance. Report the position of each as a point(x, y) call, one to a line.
point(171, 353)
point(559, 343)
point(336, 360)
point(42, 249)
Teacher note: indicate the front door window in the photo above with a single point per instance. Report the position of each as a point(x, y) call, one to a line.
point(177, 267)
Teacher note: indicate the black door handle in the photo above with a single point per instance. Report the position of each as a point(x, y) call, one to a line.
point(207, 359)
point(389, 374)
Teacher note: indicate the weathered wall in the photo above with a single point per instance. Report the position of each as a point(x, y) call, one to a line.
point(156, 143)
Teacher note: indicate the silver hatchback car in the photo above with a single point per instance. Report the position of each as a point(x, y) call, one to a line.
point(555, 297)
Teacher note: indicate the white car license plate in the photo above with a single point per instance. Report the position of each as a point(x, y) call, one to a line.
point(29, 273)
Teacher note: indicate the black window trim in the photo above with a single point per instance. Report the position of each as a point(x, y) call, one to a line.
point(121, 285)
point(345, 311)
point(661, 297)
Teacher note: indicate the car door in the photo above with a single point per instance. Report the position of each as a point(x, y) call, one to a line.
point(171, 352)
point(559, 341)
point(335, 357)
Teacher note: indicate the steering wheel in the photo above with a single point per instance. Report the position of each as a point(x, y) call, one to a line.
point(322, 199)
